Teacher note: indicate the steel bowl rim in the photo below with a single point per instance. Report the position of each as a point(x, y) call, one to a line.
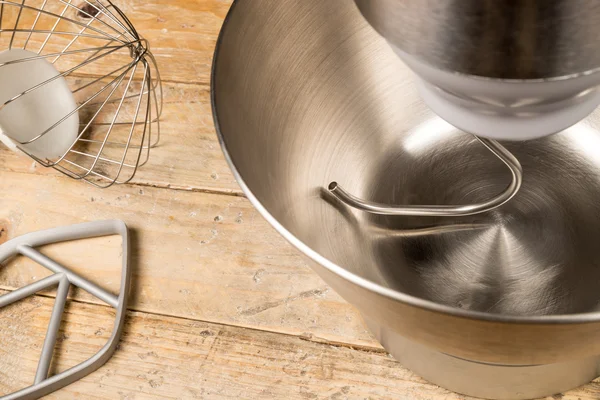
point(576, 318)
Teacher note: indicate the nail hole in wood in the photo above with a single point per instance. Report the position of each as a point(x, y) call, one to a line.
point(3, 231)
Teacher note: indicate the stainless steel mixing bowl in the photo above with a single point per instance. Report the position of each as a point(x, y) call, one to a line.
point(499, 305)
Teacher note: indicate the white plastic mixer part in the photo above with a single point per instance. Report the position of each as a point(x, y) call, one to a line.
point(506, 109)
point(35, 102)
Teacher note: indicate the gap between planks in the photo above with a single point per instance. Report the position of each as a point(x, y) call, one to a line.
point(309, 337)
point(170, 186)
point(203, 84)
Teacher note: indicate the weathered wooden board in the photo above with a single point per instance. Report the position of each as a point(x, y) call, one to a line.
point(196, 255)
point(171, 358)
point(182, 34)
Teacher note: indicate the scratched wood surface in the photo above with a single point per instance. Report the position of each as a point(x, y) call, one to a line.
point(182, 34)
point(162, 357)
point(196, 255)
point(222, 307)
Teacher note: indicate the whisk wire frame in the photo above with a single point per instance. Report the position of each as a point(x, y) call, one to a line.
point(112, 74)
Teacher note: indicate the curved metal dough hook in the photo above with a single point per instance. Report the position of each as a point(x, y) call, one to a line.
point(445, 210)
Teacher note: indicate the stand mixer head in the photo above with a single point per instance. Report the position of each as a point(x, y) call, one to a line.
point(508, 70)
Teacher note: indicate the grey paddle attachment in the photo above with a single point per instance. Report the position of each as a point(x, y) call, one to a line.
point(63, 278)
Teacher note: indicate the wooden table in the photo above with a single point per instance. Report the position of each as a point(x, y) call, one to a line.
point(221, 306)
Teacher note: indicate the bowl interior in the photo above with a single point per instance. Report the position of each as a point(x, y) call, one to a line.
point(307, 93)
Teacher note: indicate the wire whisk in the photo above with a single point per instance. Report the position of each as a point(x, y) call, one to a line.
point(80, 90)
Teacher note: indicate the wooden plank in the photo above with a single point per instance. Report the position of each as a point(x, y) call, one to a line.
point(195, 255)
point(170, 358)
point(182, 34)
point(188, 157)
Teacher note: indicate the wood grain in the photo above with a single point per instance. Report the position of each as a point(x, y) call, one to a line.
point(182, 34)
point(188, 156)
point(196, 255)
point(171, 358)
